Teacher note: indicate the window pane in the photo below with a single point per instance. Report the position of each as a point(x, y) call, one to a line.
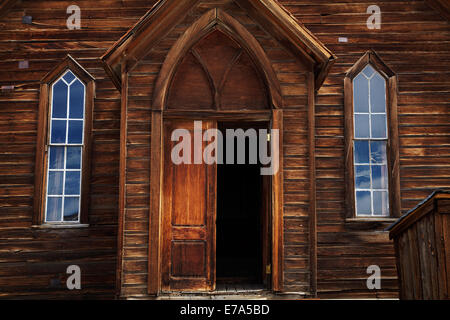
point(58, 131)
point(73, 158)
point(361, 94)
point(368, 71)
point(362, 177)
point(361, 151)
point(378, 94)
point(76, 100)
point(363, 200)
point(59, 100)
point(56, 158)
point(54, 209)
point(72, 183)
point(380, 203)
point(378, 152)
point(69, 77)
point(71, 208)
point(75, 131)
point(55, 182)
point(379, 177)
point(361, 126)
point(379, 126)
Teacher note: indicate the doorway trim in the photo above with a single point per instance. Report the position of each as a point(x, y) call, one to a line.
point(275, 116)
point(213, 19)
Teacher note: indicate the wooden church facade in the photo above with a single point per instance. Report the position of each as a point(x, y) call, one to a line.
point(145, 226)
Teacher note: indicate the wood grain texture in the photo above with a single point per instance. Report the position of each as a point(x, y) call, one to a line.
point(413, 41)
point(6, 5)
point(312, 186)
point(188, 225)
point(34, 260)
point(210, 21)
point(122, 175)
point(421, 248)
point(158, 21)
point(277, 208)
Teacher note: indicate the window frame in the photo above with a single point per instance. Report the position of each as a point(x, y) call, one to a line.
point(43, 136)
point(392, 145)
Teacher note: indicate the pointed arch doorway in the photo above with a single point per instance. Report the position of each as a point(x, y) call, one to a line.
point(313, 60)
point(217, 74)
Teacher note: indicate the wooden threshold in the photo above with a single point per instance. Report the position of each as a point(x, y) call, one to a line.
point(239, 295)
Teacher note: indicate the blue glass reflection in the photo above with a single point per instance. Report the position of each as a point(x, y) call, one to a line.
point(73, 158)
point(362, 126)
point(379, 177)
point(56, 160)
point(361, 151)
point(378, 152)
point(378, 94)
point(69, 77)
point(59, 100)
point(368, 71)
point(361, 94)
point(58, 134)
point(76, 100)
point(72, 183)
point(362, 177)
point(54, 206)
point(380, 203)
point(71, 208)
point(55, 182)
point(379, 126)
point(363, 203)
point(75, 132)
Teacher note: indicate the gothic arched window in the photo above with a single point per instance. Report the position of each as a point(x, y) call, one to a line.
point(62, 160)
point(371, 140)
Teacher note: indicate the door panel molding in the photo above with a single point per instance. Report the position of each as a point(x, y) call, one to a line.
point(188, 218)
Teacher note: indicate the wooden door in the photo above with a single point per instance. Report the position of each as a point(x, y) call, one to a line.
point(216, 75)
point(188, 234)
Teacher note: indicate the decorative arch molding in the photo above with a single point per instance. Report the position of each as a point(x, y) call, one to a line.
point(166, 14)
point(216, 19)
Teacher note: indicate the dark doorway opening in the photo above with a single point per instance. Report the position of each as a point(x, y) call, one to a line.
point(242, 233)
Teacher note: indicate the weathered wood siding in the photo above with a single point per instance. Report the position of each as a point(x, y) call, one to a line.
point(33, 262)
point(414, 40)
point(422, 247)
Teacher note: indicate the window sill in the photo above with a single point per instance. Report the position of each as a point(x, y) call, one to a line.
point(367, 219)
point(60, 226)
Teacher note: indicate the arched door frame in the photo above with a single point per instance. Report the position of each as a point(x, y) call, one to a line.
point(213, 20)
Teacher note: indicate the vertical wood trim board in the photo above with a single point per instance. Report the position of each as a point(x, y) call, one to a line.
point(312, 184)
point(277, 207)
point(122, 179)
point(154, 273)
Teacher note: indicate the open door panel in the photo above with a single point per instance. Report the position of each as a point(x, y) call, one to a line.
point(188, 235)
